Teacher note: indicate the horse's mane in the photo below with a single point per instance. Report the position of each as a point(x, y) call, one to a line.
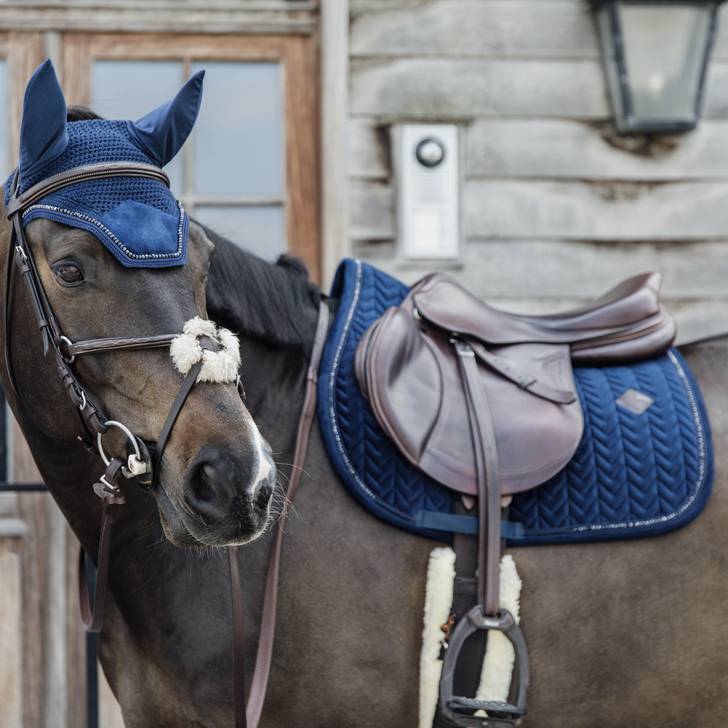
point(267, 301)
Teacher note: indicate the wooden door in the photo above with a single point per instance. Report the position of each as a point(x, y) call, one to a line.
point(250, 168)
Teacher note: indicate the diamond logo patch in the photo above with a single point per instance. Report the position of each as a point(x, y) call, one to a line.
point(634, 401)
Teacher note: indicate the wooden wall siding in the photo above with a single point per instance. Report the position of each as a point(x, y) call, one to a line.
point(199, 16)
point(10, 635)
point(479, 28)
point(566, 210)
point(546, 269)
point(555, 205)
point(559, 148)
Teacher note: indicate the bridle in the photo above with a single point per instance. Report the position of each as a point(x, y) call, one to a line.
point(94, 424)
point(143, 459)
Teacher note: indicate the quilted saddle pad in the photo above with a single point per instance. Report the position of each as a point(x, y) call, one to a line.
point(644, 465)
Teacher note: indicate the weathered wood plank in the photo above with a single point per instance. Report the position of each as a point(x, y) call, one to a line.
point(563, 210)
point(240, 17)
point(444, 88)
point(372, 211)
point(560, 148)
point(477, 28)
point(606, 211)
point(368, 150)
point(11, 648)
point(334, 81)
point(569, 270)
point(110, 715)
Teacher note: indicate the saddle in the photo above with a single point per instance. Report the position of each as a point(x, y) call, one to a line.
point(484, 402)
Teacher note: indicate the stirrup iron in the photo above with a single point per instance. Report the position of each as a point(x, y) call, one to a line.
point(458, 710)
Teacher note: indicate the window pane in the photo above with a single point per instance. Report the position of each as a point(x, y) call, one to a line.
point(239, 135)
point(130, 89)
point(664, 48)
point(259, 230)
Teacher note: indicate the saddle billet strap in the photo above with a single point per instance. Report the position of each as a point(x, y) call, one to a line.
point(264, 655)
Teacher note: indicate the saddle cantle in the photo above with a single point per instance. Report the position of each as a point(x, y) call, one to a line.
point(408, 369)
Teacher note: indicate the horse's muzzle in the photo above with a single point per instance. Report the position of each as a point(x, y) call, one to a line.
point(226, 498)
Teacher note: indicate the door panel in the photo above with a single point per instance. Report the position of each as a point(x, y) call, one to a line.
point(250, 168)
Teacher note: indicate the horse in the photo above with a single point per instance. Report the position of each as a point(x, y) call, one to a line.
point(623, 633)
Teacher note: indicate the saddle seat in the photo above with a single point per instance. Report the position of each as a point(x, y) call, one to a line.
point(625, 324)
point(408, 368)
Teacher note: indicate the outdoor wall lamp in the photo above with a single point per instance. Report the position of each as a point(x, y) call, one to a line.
point(656, 55)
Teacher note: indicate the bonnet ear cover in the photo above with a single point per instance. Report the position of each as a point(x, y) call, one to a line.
point(43, 134)
point(162, 132)
point(138, 220)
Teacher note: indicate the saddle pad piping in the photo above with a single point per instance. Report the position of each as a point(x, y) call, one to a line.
point(332, 410)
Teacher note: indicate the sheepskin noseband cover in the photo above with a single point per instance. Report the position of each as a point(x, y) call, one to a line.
point(219, 366)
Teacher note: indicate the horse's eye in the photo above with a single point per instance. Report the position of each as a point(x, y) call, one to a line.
point(68, 273)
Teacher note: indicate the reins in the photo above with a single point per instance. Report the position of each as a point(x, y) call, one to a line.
point(141, 464)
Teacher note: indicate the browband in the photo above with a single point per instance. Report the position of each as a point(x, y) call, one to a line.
point(86, 173)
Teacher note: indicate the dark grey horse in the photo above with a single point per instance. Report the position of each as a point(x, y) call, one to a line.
point(621, 634)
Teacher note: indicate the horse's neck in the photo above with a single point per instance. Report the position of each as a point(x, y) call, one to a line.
point(274, 310)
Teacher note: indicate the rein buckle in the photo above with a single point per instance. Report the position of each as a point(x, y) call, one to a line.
point(107, 488)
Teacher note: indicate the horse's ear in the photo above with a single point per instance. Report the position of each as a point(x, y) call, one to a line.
point(43, 135)
point(162, 132)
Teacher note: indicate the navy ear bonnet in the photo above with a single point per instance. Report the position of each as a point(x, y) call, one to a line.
point(136, 218)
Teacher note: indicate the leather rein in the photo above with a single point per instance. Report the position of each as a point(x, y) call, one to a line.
point(142, 462)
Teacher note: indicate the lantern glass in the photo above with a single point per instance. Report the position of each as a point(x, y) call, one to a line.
point(656, 53)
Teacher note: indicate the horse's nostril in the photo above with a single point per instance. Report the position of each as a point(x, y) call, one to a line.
point(263, 496)
point(210, 485)
point(202, 486)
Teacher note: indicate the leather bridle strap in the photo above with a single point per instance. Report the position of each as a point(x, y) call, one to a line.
point(236, 592)
point(172, 415)
point(116, 343)
point(250, 717)
point(92, 613)
point(86, 173)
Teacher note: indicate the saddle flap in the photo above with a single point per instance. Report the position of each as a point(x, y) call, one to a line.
point(412, 379)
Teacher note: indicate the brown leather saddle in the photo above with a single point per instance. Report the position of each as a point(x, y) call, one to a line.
point(484, 402)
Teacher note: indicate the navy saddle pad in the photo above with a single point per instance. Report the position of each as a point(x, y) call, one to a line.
point(635, 473)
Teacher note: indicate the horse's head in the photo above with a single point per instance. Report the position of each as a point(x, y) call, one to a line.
point(128, 268)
